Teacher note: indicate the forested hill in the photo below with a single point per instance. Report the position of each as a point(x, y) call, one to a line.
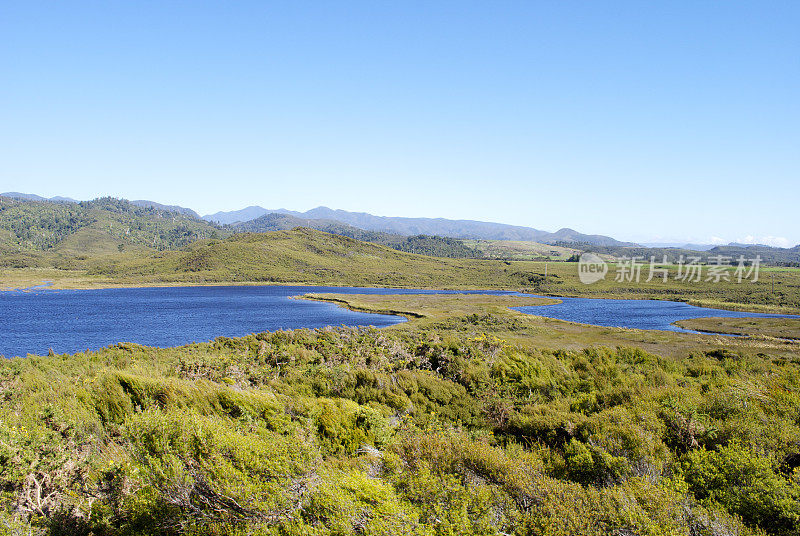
point(100, 226)
point(110, 225)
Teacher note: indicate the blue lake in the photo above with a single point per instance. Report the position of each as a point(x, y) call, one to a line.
point(70, 321)
point(638, 314)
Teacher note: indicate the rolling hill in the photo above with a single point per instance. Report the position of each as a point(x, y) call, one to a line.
point(275, 221)
point(442, 227)
point(301, 256)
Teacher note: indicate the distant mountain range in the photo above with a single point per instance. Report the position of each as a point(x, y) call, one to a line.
point(137, 202)
point(237, 216)
point(680, 245)
point(393, 231)
point(420, 226)
point(34, 197)
point(322, 217)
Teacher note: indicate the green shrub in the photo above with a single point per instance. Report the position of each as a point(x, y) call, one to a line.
point(745, 483)
point(198, 471)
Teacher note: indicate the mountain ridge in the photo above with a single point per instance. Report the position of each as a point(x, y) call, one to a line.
point(168, 208)
point(33, 197)
point(444, 227)
point(322, 216)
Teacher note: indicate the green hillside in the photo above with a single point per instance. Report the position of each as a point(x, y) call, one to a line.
point(95, 227)
point(301, 256)
point(276, 221)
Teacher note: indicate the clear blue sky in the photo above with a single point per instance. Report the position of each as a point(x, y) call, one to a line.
point(641, 120)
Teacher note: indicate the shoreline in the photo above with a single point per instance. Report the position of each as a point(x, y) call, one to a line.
point(344, 304)
point(711, 331)
point(48, 285)
point(54, 285)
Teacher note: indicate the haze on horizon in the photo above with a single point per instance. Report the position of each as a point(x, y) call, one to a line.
point(672, 122)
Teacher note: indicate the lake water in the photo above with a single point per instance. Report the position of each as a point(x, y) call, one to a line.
point(637, 314)
point(70, 321)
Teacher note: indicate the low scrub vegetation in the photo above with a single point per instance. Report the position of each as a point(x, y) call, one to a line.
point(402, 431)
